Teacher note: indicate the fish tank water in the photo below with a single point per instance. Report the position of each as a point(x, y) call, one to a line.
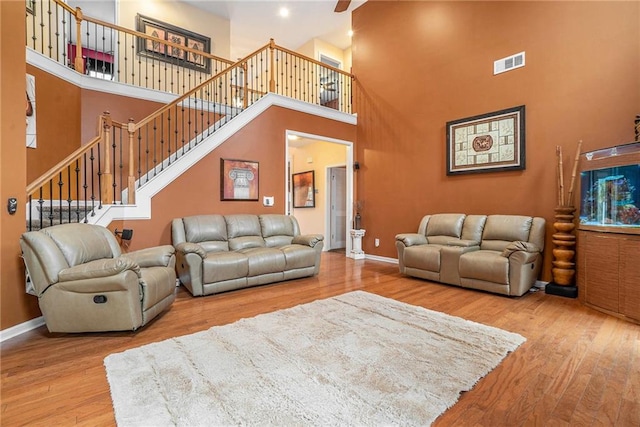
point(610, 192)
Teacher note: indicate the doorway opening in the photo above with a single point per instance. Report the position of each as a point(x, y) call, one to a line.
point(330, 160)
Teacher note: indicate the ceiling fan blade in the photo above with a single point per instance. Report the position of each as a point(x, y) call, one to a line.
point(342, 5)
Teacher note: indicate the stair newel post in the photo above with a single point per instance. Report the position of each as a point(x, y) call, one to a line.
point(78, 62)
point(107, 177)
point(245, 98)
point(131, 181)
point(272, 71)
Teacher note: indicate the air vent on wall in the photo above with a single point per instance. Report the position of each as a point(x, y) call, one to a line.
point(509, 63)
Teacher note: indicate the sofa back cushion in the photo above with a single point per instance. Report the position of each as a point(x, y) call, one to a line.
point(500, 230)
point(278, 230)
point(210, 231)
point(473, 227)
point(244, 232)
point(81, 243)
point(442, 228)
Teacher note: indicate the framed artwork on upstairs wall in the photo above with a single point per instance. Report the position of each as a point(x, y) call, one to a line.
point(304, 190)
point(487, 143)
point(197, 43)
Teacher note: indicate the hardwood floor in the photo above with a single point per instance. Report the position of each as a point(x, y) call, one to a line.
point(578, 366)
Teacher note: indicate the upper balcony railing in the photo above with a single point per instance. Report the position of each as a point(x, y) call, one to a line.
point(107, 51)
point(125, 156)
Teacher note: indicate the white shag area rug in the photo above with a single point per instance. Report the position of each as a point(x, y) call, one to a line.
point(356, 359)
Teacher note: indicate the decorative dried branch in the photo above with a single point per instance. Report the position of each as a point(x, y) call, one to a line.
point(573, 174)
point(558, 190)
point(561, 173)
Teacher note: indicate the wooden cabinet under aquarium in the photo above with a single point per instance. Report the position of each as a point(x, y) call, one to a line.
point(608, 252)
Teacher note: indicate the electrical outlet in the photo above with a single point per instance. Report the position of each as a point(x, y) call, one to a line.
point(376, 242)
point(267, 201)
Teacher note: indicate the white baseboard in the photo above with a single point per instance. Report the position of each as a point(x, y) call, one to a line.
point(382, 259)
point(540, 284)
point(21, 328)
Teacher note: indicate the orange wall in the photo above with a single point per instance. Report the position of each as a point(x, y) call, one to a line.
point(120, 108)
point(198, 191)
point(15, 305)
point(421, 64)
point(58, 122)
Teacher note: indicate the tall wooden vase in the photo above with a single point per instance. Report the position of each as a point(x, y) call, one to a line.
point(564, 266)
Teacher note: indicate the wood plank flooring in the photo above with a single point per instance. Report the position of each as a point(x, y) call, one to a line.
point(578, 366)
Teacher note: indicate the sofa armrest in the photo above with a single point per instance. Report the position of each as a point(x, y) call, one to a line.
point(159, 256)
point(463, 243)
point(191, 248)
point(412, 239)
point(106, 267)
point(522, 257)
point(519, 246)
point(308, 239)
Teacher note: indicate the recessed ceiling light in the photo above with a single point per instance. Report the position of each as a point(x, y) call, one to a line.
point(284, 12)
point(293, 137)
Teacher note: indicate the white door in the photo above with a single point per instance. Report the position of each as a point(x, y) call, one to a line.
point(338, 208)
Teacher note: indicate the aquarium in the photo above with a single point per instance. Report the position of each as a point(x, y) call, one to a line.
point(610, 187)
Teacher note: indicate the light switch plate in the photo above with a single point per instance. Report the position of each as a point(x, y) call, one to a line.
point(267, 200)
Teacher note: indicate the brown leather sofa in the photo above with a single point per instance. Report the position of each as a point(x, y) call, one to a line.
point(495, 253)
point(218, 253)
point(85, 284)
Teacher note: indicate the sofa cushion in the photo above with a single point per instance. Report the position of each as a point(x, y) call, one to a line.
point(277, 230)
point(423, 257)
point(489, 266)
point(298, 256)
point(81, 243)
point(203, 228)
point(473, 227)
point(244, 232)
point(445, 225)
point(276, 225)
point(264, 260)
point(243, 225)
point(221, 266)
point(500, 230)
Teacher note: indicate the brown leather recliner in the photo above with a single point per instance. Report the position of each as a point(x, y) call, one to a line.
point(85, 284)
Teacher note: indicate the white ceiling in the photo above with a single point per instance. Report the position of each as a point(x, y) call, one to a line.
point(254, 22)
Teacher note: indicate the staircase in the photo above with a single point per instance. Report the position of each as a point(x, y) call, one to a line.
point(114, 175)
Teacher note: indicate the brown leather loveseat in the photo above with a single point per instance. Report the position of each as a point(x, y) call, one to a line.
point(495, 253)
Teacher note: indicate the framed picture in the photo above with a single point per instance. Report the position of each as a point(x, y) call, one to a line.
point(155, 46)
point(304, 190)
point(196, 58)
point(173, 51)
point(188, 39)
point(239, 180)
point(487, 143)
